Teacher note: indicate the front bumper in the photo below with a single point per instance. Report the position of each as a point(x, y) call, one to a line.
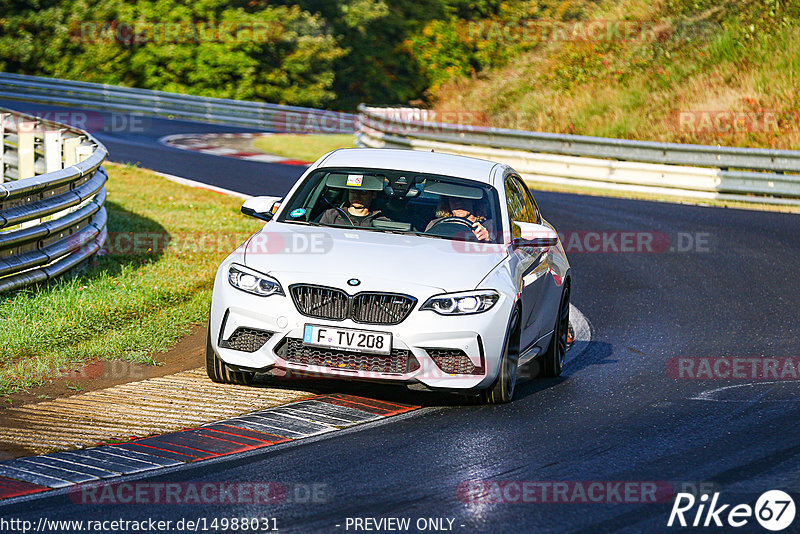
point(477, 337)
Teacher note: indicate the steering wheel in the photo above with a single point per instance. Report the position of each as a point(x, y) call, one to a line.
point(452, 225)
point(338, 209)
point(345, 215)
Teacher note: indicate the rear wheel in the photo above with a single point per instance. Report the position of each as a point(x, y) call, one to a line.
point(502, 390)
point(556, 354)
point(219, 371)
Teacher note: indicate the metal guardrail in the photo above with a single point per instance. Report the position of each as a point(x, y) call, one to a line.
point(52, 195)
point(119, 99)
point(746, 174)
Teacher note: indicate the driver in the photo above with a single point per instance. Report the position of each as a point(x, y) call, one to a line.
point(465, 208)
point(357, 213)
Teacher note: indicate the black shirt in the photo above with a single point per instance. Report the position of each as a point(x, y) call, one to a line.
point(336, 217)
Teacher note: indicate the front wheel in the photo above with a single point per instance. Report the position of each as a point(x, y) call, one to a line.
point(556, 354)
point(502, 390)
point(218, 371)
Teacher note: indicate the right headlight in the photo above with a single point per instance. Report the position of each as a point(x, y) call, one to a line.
point(252, 281)
point(462, 303)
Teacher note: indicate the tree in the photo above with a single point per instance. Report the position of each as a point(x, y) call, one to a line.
point(279, 54)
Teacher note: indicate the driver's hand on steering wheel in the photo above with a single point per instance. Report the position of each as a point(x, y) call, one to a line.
point(480, 231)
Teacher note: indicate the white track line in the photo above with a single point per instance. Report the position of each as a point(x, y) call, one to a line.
point(201, 185)
point(709, 394)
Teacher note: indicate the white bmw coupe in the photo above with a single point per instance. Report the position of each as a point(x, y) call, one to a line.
point(425, 269)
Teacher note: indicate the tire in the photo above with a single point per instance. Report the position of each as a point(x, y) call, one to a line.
point(554, 357)
point(502, 390)
point(218, 371)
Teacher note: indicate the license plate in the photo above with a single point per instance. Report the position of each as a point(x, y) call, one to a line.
point(347, 339)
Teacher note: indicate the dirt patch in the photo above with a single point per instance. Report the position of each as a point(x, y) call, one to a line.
point(189, 353)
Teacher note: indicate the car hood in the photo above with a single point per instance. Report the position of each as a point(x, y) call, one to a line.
point(380, 260)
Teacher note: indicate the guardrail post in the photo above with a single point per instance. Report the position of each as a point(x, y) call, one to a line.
point(25, 149)
point(52, 150)
point(70, 151)
point(84, 151)
point(3, 147)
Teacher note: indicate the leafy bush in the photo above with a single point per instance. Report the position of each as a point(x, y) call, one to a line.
point(278, 54)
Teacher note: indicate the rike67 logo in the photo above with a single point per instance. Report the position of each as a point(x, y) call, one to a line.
point(774, 510)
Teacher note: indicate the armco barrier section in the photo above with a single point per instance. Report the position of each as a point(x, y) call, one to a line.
point(52, 195)
point(744, 174)
point(114, 98)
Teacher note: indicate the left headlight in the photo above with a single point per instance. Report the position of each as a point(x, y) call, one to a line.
point(463, 303)
point(253, 282)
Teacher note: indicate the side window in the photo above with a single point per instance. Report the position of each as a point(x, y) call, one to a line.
point(530, 204)
point(517, 210)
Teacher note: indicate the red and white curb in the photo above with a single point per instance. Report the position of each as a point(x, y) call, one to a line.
point(214, 144)
point(309, 417)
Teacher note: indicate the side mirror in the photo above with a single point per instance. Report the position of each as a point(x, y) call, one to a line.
point(263, 208)
point(535, 235)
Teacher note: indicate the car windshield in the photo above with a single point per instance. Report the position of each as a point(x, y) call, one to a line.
point(397, 201)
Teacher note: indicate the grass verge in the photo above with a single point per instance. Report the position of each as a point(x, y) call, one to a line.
point(165, 243)
point(303, 147)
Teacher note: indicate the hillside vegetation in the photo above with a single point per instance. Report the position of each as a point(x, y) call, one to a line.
point(320, 53)
point(700, 71)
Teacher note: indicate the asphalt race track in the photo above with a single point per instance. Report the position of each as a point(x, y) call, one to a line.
point(728, 289)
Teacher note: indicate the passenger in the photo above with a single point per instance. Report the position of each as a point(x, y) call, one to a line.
point(357, 213)
point(464, 208)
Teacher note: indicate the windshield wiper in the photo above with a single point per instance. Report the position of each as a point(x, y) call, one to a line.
point(305, 223)
point(424, 234)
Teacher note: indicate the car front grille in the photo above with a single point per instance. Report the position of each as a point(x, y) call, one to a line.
point(246, 339)
point(368, 308)
point(381, 308)
point(454, 362)
point(400, 361)
point(322, 302)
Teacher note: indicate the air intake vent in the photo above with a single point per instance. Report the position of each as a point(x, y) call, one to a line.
point(400, 361)
point(454, 362)
point(246, 340)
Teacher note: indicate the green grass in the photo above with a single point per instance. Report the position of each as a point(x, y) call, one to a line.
point(303, 147)
point(124, 306)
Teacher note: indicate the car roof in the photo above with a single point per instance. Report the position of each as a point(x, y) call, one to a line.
point(413, 161)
